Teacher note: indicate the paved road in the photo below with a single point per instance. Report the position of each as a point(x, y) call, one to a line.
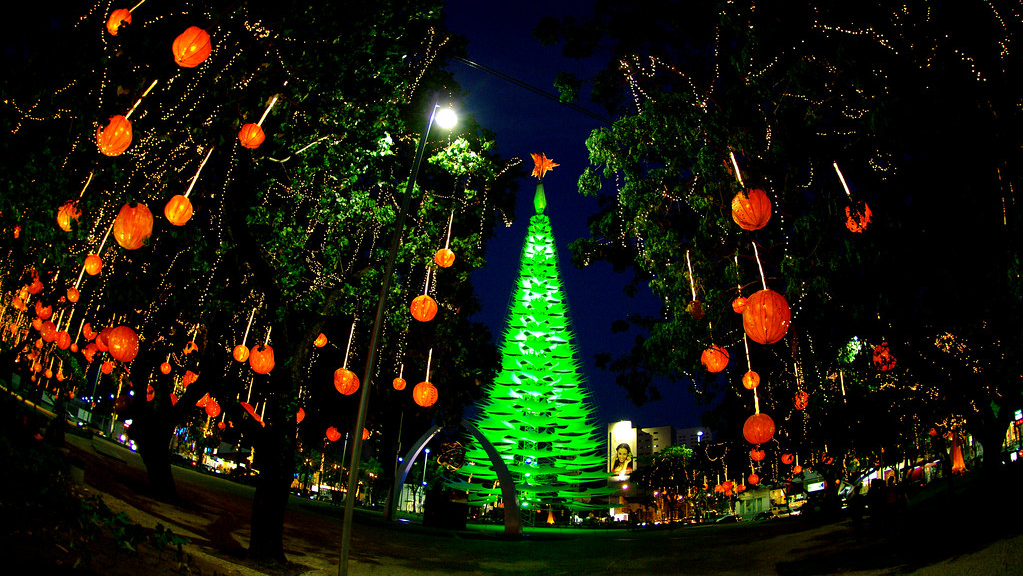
point(216, 516)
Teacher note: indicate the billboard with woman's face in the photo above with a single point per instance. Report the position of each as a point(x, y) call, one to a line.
point(621, 445)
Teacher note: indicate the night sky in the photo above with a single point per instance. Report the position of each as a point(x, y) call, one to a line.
point(500, 38)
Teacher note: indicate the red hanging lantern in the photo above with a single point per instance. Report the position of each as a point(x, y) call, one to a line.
point(261, 358)
point(750, 380)
point(444, 258)
point(189, 378)
point(365, 434)
point(320, 341)
point(89, 353)
point(43, 312)
point(801, 400)
point(251, 136)
point(118, 18)
point(63, 340)
point(115, 137)
point(714, 358)
point(766, 316)
point(345, 381)
point(87, 331)
point(753, 479)
point(398, 383)
point(300, 415)
point(66, 213)
point(738, 305)
point(133, 226)
point(758, 428)
point(189, 348)
point(73, 294)
point(787, 458)
point(241, 353)
point(751, 209)
point(756, 454)
point(165, 368)
point(221, 425)
point(882, 356)
point(150, 393)
point(332, 434)
point(857, 216)
point(192, 47)
point(178, 210)
point(203, 401)
point(107, 367)
point(827, 460)
point(423, 308)
point(424, 394)
point(797, 469)
point(48, 331)
point(123, 343)
point(93, 264)
point(212, 408)
point(252, 412)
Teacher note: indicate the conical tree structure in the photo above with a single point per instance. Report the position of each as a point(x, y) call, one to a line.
point(537, 412)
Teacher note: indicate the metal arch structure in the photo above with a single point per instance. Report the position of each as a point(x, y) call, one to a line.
point(512, 518)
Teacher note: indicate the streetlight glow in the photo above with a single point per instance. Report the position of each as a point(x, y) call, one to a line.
point(446, 118)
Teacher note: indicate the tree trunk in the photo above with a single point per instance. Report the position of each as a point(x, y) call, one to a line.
point(275, 456)
point(152, 434)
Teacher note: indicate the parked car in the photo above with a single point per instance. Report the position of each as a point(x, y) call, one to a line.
point(728, 518)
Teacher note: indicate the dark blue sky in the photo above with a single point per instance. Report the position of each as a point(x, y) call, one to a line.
point(500, 38)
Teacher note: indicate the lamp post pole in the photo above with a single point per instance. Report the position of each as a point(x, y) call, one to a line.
point(378, 321)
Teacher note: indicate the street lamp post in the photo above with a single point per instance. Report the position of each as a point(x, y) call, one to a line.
point(378, 321)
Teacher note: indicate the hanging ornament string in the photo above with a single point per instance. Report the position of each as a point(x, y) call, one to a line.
point(738, 281)
point(426, 285)
point(447, 239)
point(196, 177)
point(349, 348)
point(139, 101)
point(98, 250)
point(738, 176)
point(268, 108)
point(87, 180)
point(745, 343)
point(266, 342)
point(692, 281)
point(756, 253)
point(245, 338)
point(132, 9)
point(842, 179)
point(429, 359)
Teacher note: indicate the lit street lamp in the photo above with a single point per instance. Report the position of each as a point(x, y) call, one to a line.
point(445, 118)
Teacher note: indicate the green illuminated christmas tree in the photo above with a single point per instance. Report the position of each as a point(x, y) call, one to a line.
point(538, 412)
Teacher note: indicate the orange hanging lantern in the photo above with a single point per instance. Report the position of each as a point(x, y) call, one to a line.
point(66, 213)
point(87, 331)
point(192, 47)
point(43, 312)
point(118, 18)
point(365, 434)
point(444, 258)
point(882, 356)
point(424, 394)
point(63, 340)
point(241, 353)
point(189, 378)
point(178, 210)
point(89, 353)
point(801, 400)
point(714, 358)
point(252, 412)
point(212, 408)
point(133, 226)
point(107, 367)
point(423, 308)
point(261, 358)
point(320, 341)
point(115, 137)
point(48, 331)
point(756, 454)
point(221, 425)
point(73, 294)
point(753, 479)
point(333, 435)
point(123, 343)
point(738, 305)
point(93, 264)
point(787, 458)
point(345, 381)
point(150, 393)
point(251, 136)
point(398, 383)
point(751, 209)
point(857, 216)
point(758, 428)
point(189, 348)
point(300, 415)
point(203, 401)
point(165, 368)
point(750, 380)
point(766, 316)
point(797, 469)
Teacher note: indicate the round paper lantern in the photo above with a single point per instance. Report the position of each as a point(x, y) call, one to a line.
point(115, 137)
point(63, 340)
point(787, 458)
point(107, 367)
point(241, 353)
point(333, 435)
point(261, 358)
point(695, 309)
point(73, 294)
point(714, 358)
point(827, 460)
point(93, 264)
point(37, 323)
point(797, 469)
point(345, 381)
point(756, 454)
point(118, 18)
point(89, 352)
point(189, 378)
point(212, 408)
point(48, 331)
point(365, 434)
point(801, 400)
point(251, 136)
point(87, 331)
point(221, 425)
point(43, 312)
point(738, 305)
point(753, 479)
point(766, 316)
point(66, 213)
point(36, 286)
point(133, 226)
point(18, 303)
point(423, 308)
point(123, 343)
point(758, 429)
point(150, 393)
point(73, 347)
point(398, 383)
point(178, 210)
point(320, 341)
point(165, 367)
point(750, 380)
point(300, 415)
point(192, 47)
point(424, 394)
point(751, 209)
point(189, 348)
point(883, 359)
point(857, 216)
point(444, 258)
